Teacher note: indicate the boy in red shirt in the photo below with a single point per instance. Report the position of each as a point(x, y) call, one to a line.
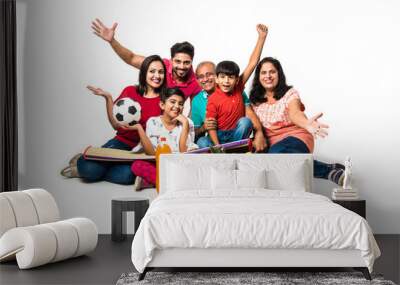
point(226, 104)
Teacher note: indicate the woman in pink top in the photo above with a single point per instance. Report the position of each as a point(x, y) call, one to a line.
point(281, 112)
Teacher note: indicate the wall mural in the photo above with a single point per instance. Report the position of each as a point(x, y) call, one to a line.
point(151, 117)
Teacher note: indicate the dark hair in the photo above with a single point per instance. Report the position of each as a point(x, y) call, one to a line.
point(228, 67)
point(142, 86)
point(184, 47)
point(172, 91)
point(257, 92)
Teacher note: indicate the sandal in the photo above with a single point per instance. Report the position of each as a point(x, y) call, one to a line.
point(141, 184)
point(74, 159)
point(138, 183)
point(70, 172)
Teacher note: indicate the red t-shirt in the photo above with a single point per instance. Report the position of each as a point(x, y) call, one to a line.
point(190, 88)
point(227, 109)
point(150, 108)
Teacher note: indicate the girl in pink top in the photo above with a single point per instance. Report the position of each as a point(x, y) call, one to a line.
point(281, 112)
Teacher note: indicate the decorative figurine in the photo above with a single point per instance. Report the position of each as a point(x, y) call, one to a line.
point(347, 173)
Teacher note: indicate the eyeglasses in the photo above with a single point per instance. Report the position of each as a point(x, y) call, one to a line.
point(207, 75)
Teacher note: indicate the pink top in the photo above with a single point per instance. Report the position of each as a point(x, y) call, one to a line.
point(275, 119)
point(190, 88)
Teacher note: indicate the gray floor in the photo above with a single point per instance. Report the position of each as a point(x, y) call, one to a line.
point(110, 260)
point(103, 266)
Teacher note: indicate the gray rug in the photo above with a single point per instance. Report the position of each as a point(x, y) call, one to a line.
point(243, 278)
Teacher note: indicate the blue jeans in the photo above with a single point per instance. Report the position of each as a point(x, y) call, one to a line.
point(295, 145)
point(241, 131)
point(114, 172)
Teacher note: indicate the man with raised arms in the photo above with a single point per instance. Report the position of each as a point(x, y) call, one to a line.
point(179, 67)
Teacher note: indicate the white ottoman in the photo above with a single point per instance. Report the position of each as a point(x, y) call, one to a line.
point(31, 232)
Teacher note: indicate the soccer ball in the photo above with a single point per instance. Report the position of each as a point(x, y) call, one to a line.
point(127, 111)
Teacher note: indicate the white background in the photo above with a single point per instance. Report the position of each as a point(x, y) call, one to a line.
point(342, 56)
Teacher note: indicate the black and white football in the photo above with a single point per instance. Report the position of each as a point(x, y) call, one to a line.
point(127, 111)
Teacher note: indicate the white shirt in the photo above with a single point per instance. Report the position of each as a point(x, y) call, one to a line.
point(155, 130)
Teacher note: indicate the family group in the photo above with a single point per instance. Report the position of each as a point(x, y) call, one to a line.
point(220, 111)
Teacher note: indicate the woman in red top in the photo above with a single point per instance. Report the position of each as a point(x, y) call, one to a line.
point(281, 112)
point(147, 93)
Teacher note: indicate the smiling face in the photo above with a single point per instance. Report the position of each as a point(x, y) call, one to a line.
point(227, 82)
point(173, 106)
point(206, 77)
point(269, 76)
point(155, 75)
point(181, 65)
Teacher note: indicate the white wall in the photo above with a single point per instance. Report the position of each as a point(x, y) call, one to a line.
point(342, 56)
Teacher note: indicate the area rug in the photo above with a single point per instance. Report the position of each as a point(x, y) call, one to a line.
point(244, 278)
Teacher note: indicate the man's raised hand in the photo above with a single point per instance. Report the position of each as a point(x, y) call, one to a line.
point(100, 30)
point(262, 30)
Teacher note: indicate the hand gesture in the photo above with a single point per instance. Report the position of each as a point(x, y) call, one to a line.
point(210, 124)
point(316, 128)
point(182, 119)
point(100, 30)
point(262, 30)
point(98, 91)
